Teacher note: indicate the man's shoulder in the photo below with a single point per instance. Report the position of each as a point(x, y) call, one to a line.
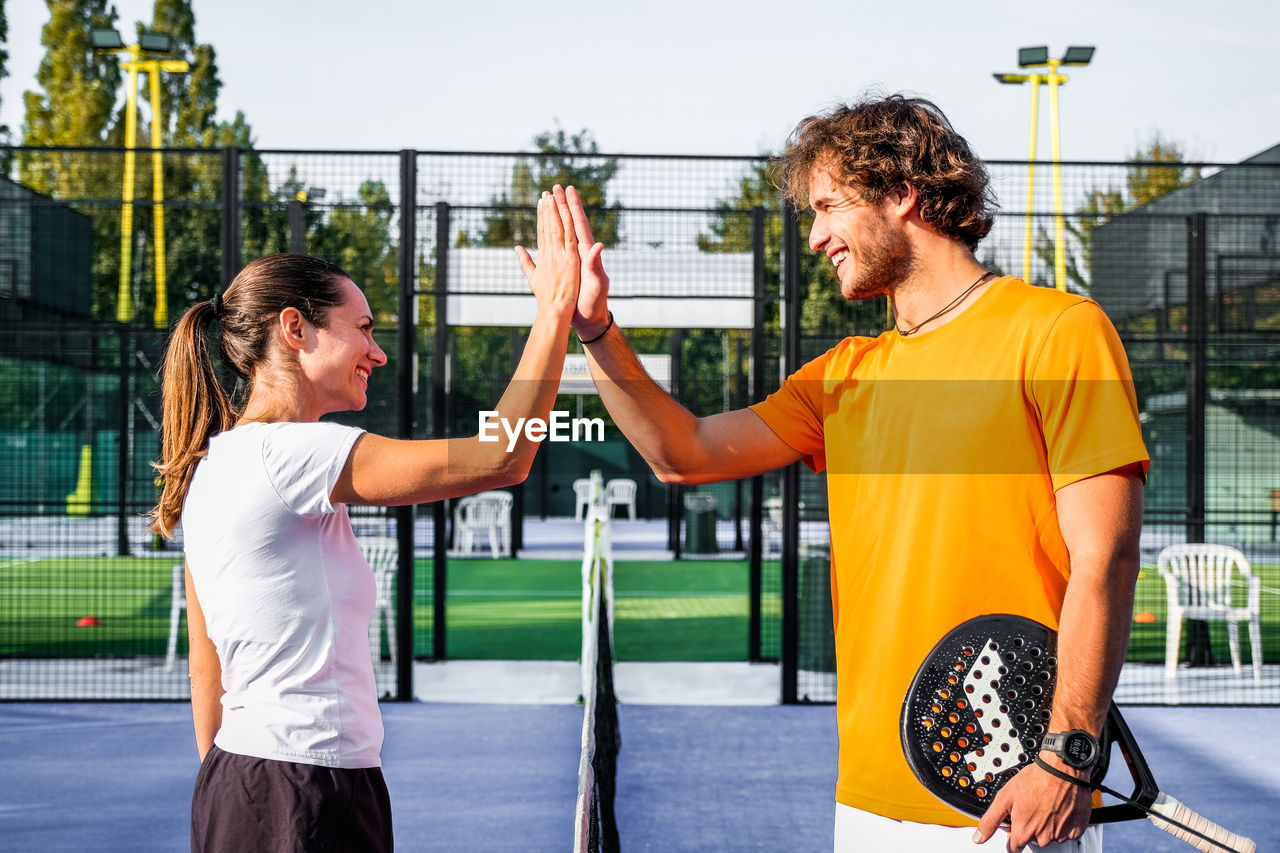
point(1047, 308)
point(1035, 298)
point(846, 351)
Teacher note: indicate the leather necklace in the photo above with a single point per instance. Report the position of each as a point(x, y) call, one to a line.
point(952, 304)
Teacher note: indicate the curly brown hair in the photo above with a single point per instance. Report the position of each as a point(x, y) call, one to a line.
point(878, 144)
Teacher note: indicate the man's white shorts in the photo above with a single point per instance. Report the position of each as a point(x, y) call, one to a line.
point(858, 832)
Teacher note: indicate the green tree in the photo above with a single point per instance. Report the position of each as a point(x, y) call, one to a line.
point(565, 160)
point(825, 315)
point(188, 112)
point(75, 107)
point(483, 357)
point(4, 70)
point(77, 101)
point(357, 237)
point(1157, 170)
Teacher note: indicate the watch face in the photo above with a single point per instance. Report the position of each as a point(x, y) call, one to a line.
point(1078, 749)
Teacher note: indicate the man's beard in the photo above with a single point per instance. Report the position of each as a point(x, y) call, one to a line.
point(886, 260)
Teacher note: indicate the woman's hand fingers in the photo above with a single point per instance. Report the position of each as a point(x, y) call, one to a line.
point(554, 227)
point(554, 278)
point(542, 223)
point(526, 263)
point(566, 217)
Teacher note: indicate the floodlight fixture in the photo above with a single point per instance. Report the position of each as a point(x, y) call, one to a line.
point(1038, 57)
point(1029, 57)
point(106, 39)
point(1078, 55)
point(153, 42)
point(140, 59)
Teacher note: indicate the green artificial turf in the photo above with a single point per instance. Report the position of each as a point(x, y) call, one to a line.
point(496, 609)
point(686, 610)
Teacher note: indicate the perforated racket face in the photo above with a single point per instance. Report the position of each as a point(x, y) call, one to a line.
point(979, 707)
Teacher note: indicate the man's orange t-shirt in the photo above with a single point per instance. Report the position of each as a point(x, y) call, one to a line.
point(943, 452)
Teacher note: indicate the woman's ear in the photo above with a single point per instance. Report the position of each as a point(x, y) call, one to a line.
point(292, 329)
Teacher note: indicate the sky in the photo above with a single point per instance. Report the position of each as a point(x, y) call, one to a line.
point(715, 77)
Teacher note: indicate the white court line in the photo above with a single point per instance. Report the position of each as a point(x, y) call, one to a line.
point(575, 593)
point(9, 564)
point(38, 592)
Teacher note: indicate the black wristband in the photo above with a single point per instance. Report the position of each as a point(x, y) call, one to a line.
point(1066, 777)
point(607, 327)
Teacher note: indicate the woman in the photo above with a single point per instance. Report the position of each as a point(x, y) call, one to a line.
point(278, 596)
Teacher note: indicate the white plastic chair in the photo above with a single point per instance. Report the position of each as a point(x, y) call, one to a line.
point(771, 525)
point(382, 553)
point(179, 604)
point(487, 513)
point(620, 492)
point(1198, 579)
point(581, 498)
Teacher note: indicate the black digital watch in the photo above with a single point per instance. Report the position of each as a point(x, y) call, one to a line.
point(1077, 748)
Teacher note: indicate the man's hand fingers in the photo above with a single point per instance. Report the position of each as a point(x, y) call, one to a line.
point(580, 224)
point(592, 260)
point(991, 819)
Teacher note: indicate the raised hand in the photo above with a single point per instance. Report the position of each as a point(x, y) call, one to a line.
point(555, 277)
point(592, 314)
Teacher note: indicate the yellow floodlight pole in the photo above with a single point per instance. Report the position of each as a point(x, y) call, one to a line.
point(154, 67)
point(124, 295)
point(108, 41)
point(1038, 57)
point(1059, 236)
point(1035, 80)
point(1031, 174)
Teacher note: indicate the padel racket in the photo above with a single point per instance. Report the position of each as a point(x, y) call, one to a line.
point(978, 709)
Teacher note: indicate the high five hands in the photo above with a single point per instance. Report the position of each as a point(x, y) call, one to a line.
point(564, 237)
point(555, 277)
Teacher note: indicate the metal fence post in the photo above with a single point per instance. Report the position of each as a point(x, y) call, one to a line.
point(125, 444)
point(298, 224)
point(1199, 652)
point(440, 414)
point(675, 494)
point(756, 559)
point(230, 214)
point(791, 474)
point(1197, 365)
point(406, 334)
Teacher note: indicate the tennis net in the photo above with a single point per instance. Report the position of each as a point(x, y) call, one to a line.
point(596, 827)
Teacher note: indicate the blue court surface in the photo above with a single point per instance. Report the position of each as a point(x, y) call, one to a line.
point(118, 777)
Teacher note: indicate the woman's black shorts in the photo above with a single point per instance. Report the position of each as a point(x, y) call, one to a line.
point(258, 804)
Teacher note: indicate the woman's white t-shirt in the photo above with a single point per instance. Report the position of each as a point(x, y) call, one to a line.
point(286, 595)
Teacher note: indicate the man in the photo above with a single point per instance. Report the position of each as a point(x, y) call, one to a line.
point(983, 457)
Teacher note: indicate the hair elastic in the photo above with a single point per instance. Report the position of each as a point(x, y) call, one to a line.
point(216, 304)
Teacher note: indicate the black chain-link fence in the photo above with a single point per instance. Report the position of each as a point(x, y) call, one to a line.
point(712, 280)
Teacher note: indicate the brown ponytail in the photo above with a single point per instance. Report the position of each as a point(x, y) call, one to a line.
point(195, 407)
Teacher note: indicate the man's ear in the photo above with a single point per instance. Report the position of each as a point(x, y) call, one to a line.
point(292, 328)
point(902, 199)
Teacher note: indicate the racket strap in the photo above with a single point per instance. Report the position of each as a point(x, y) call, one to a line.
point(1098, 786)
